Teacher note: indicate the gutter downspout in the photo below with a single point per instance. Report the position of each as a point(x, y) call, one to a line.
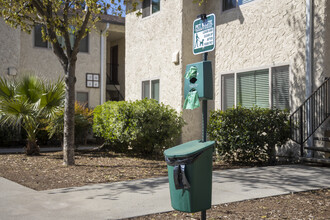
point(309, 66)
point(102, 89)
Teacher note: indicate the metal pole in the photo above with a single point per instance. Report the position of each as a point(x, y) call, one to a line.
point(204, 122)
point(204, 110)
point(204, 127)
point(204, 119)
point(309, 68)
point(203, 215)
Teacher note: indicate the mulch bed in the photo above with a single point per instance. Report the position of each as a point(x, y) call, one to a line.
point(303, 205)
point(47, 171)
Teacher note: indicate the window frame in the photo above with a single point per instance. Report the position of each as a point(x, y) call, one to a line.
point(150, 81)
point(150, 13)
point(270, 83)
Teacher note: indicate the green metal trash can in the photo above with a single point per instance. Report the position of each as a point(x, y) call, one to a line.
point(190, 175)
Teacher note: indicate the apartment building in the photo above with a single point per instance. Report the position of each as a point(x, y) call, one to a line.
point(100, 67)
point(260, 55)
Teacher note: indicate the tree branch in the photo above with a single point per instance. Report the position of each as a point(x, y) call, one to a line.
point(81, 33)
point(66, 32)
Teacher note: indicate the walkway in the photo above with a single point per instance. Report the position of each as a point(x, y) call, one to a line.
point(142, 197)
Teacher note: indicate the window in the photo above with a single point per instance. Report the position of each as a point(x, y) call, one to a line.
point(227, 86)
point(83, 46)
point(39, 42)
point(229, 4)
point(280, 87)
point(253, 88)
point(150, 89)
point(150, 7)
point(82, 98)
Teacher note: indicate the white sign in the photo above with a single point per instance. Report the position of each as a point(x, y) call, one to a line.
point(204, 34)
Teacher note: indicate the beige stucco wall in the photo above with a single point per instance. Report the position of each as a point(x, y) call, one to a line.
point(267, 33)
point(150, 43)
point(9, 47)
point(43, 62)
point(260, 34)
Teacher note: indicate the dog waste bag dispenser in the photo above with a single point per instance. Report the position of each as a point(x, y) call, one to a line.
point(198, 84)
point(190, 175)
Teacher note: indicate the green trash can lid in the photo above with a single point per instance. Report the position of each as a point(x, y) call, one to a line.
point(188, 149)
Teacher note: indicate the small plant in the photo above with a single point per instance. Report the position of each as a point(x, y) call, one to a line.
point(142, 126)
point(27, 102)
point(249, 135)
point(83, 124)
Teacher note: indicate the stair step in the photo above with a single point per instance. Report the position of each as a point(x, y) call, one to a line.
point(323, 149)
point(322, 139)
point(315, 160)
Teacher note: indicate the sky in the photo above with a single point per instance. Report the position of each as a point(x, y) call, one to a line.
point(122, 5)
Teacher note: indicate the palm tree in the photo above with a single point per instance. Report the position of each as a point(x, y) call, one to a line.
point(28, 102)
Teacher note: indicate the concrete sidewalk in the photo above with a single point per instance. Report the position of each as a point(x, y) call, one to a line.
point(142, 197)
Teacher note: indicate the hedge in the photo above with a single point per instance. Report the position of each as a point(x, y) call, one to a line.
point(249, 135)
point(142, 126)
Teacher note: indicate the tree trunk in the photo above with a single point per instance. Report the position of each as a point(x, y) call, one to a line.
point(32, 148)
point(68, 138)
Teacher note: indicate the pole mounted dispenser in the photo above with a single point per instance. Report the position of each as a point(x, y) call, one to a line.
point(198, 84)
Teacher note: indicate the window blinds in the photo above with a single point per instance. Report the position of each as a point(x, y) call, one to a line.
point(252, 89)
point(280, 87)
point(228, 91)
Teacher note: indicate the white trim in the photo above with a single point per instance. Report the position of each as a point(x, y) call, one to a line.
point(150, 88)
point(235, 89)
point(103, 57)
point(270, 87)
point(238, 6)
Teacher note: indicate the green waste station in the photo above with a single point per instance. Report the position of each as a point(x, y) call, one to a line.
point(190, 164)
point(190, 175)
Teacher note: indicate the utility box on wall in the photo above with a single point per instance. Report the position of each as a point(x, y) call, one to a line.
point(198, 78)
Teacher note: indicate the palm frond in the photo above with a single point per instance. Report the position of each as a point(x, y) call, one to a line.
point(30, 88)
point(7, 89)
point(52, 98)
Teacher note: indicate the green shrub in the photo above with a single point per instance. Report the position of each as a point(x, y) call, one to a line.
point(249, 135)
point(83, 124)
point(142, 126)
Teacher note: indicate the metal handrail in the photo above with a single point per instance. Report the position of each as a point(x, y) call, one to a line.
point(310, 115)
point(112, 74)
point(122, 98)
